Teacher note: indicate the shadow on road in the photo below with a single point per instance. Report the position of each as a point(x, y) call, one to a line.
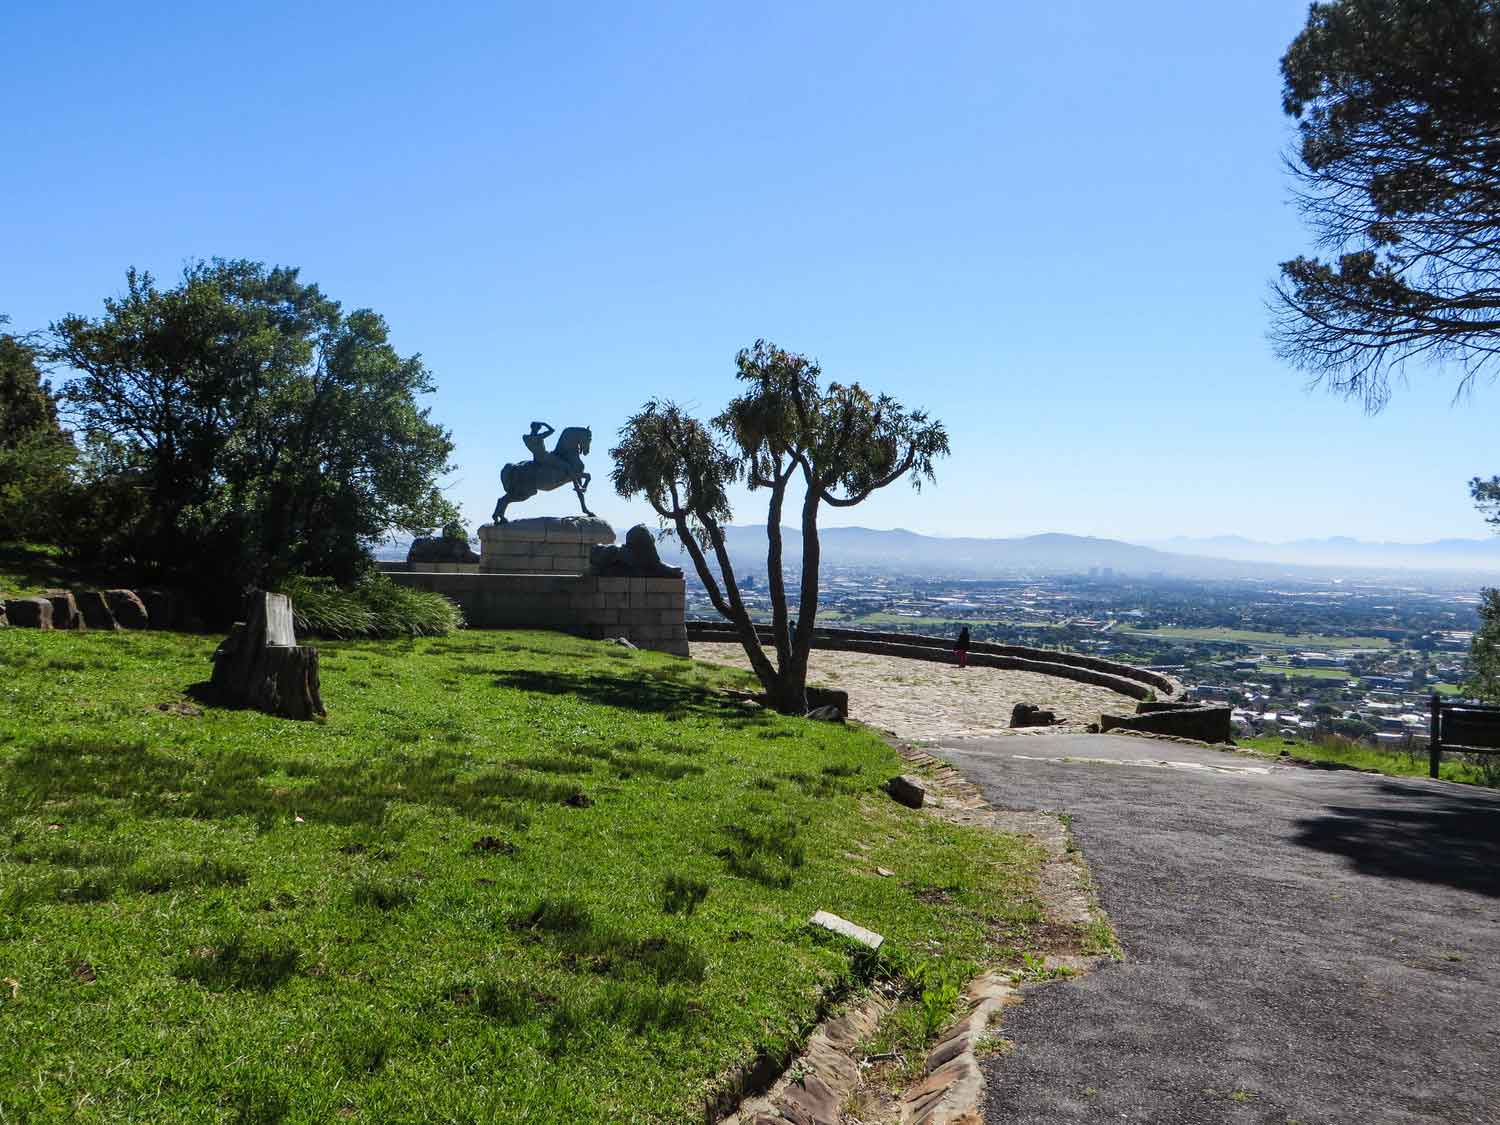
point(1433, 836)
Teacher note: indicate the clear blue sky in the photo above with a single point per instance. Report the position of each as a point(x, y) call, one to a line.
point(1053, 225)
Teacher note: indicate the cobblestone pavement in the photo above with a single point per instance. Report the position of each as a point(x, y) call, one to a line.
point(923, 701)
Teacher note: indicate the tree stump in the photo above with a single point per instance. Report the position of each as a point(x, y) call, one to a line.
point(261, 665)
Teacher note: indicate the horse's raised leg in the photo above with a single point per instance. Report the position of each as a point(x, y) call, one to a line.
point(578, 487)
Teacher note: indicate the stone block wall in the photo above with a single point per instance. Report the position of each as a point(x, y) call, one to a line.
point(544, 545)
point(529, 557)
point(649, 612)
point(1206, 724)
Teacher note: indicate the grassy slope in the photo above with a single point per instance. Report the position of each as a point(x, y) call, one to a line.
point(1396, 763)
point(227, 916)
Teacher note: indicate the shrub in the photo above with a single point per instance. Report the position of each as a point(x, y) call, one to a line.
point(373, 607)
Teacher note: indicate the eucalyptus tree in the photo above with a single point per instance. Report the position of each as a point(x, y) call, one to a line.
point(839, 442)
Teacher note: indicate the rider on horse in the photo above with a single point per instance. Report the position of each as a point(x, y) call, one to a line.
point(547, 469)
point(536, 441)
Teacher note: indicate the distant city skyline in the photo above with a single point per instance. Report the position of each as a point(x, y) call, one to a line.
point(1054, 227)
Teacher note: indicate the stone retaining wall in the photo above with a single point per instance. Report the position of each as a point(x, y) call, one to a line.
point(1138, 683)
point(649, 612)
point(1164, 685)
point(702, 631)
point(1204, 724)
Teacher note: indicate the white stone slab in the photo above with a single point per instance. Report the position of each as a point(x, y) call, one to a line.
point(847, 928)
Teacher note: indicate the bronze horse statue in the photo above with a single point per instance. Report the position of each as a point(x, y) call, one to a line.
point(547, 470)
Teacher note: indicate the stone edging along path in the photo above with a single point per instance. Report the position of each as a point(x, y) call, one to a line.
point(1126, 679)
point(829, 1075)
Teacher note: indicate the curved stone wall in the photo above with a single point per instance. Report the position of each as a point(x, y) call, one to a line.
point(1138, 683)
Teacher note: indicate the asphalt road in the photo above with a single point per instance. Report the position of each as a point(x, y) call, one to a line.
point(1301, 945)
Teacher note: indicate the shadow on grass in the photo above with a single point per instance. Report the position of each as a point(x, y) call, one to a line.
point(1431, 836)
point(96, 778)
point(231, 963)
point(585, 945)
point(658, 691)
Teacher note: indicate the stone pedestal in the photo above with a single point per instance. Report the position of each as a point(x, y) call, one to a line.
point(542, 545)
point(647, 611)
point(534, 574)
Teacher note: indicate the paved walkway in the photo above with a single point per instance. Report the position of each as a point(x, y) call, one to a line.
point(920, 700)
point(1301, 945)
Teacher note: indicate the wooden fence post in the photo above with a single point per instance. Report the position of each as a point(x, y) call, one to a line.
point(1435, 742)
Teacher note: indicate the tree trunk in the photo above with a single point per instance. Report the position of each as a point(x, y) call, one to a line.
point(260, 664)
point(789, 695)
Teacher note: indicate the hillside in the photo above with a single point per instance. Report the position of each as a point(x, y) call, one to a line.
point(513, 876)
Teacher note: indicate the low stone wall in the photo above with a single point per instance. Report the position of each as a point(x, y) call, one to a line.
point(1163, 685)
point(852, 641)
point(1138, 683)
point(100, 609)
point(646, 611)
point(1206, 724)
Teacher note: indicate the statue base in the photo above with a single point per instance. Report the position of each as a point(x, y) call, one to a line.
point(534, 574)
point(541, 545)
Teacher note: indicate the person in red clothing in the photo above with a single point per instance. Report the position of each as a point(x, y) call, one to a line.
point(961, 646)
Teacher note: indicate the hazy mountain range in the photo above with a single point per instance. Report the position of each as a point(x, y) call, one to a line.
point(906, 551)
point(1460, 561)
point(1340, 550)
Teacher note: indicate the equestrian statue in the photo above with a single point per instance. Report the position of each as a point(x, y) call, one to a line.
point(545, 471)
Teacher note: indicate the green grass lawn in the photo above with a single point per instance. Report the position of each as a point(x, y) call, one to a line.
point(1310, 641)
point(513, 877)
point(1306, 673)
point(1396, 763)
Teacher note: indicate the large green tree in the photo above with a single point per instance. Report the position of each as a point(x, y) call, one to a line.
point(36, 455)
point(262, 430)
point(1398, 173)
point(838, 442)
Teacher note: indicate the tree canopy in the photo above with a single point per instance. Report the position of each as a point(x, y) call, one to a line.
point(248, 427)
point(841, 442)
point(1398, 173)
point(36, 455)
